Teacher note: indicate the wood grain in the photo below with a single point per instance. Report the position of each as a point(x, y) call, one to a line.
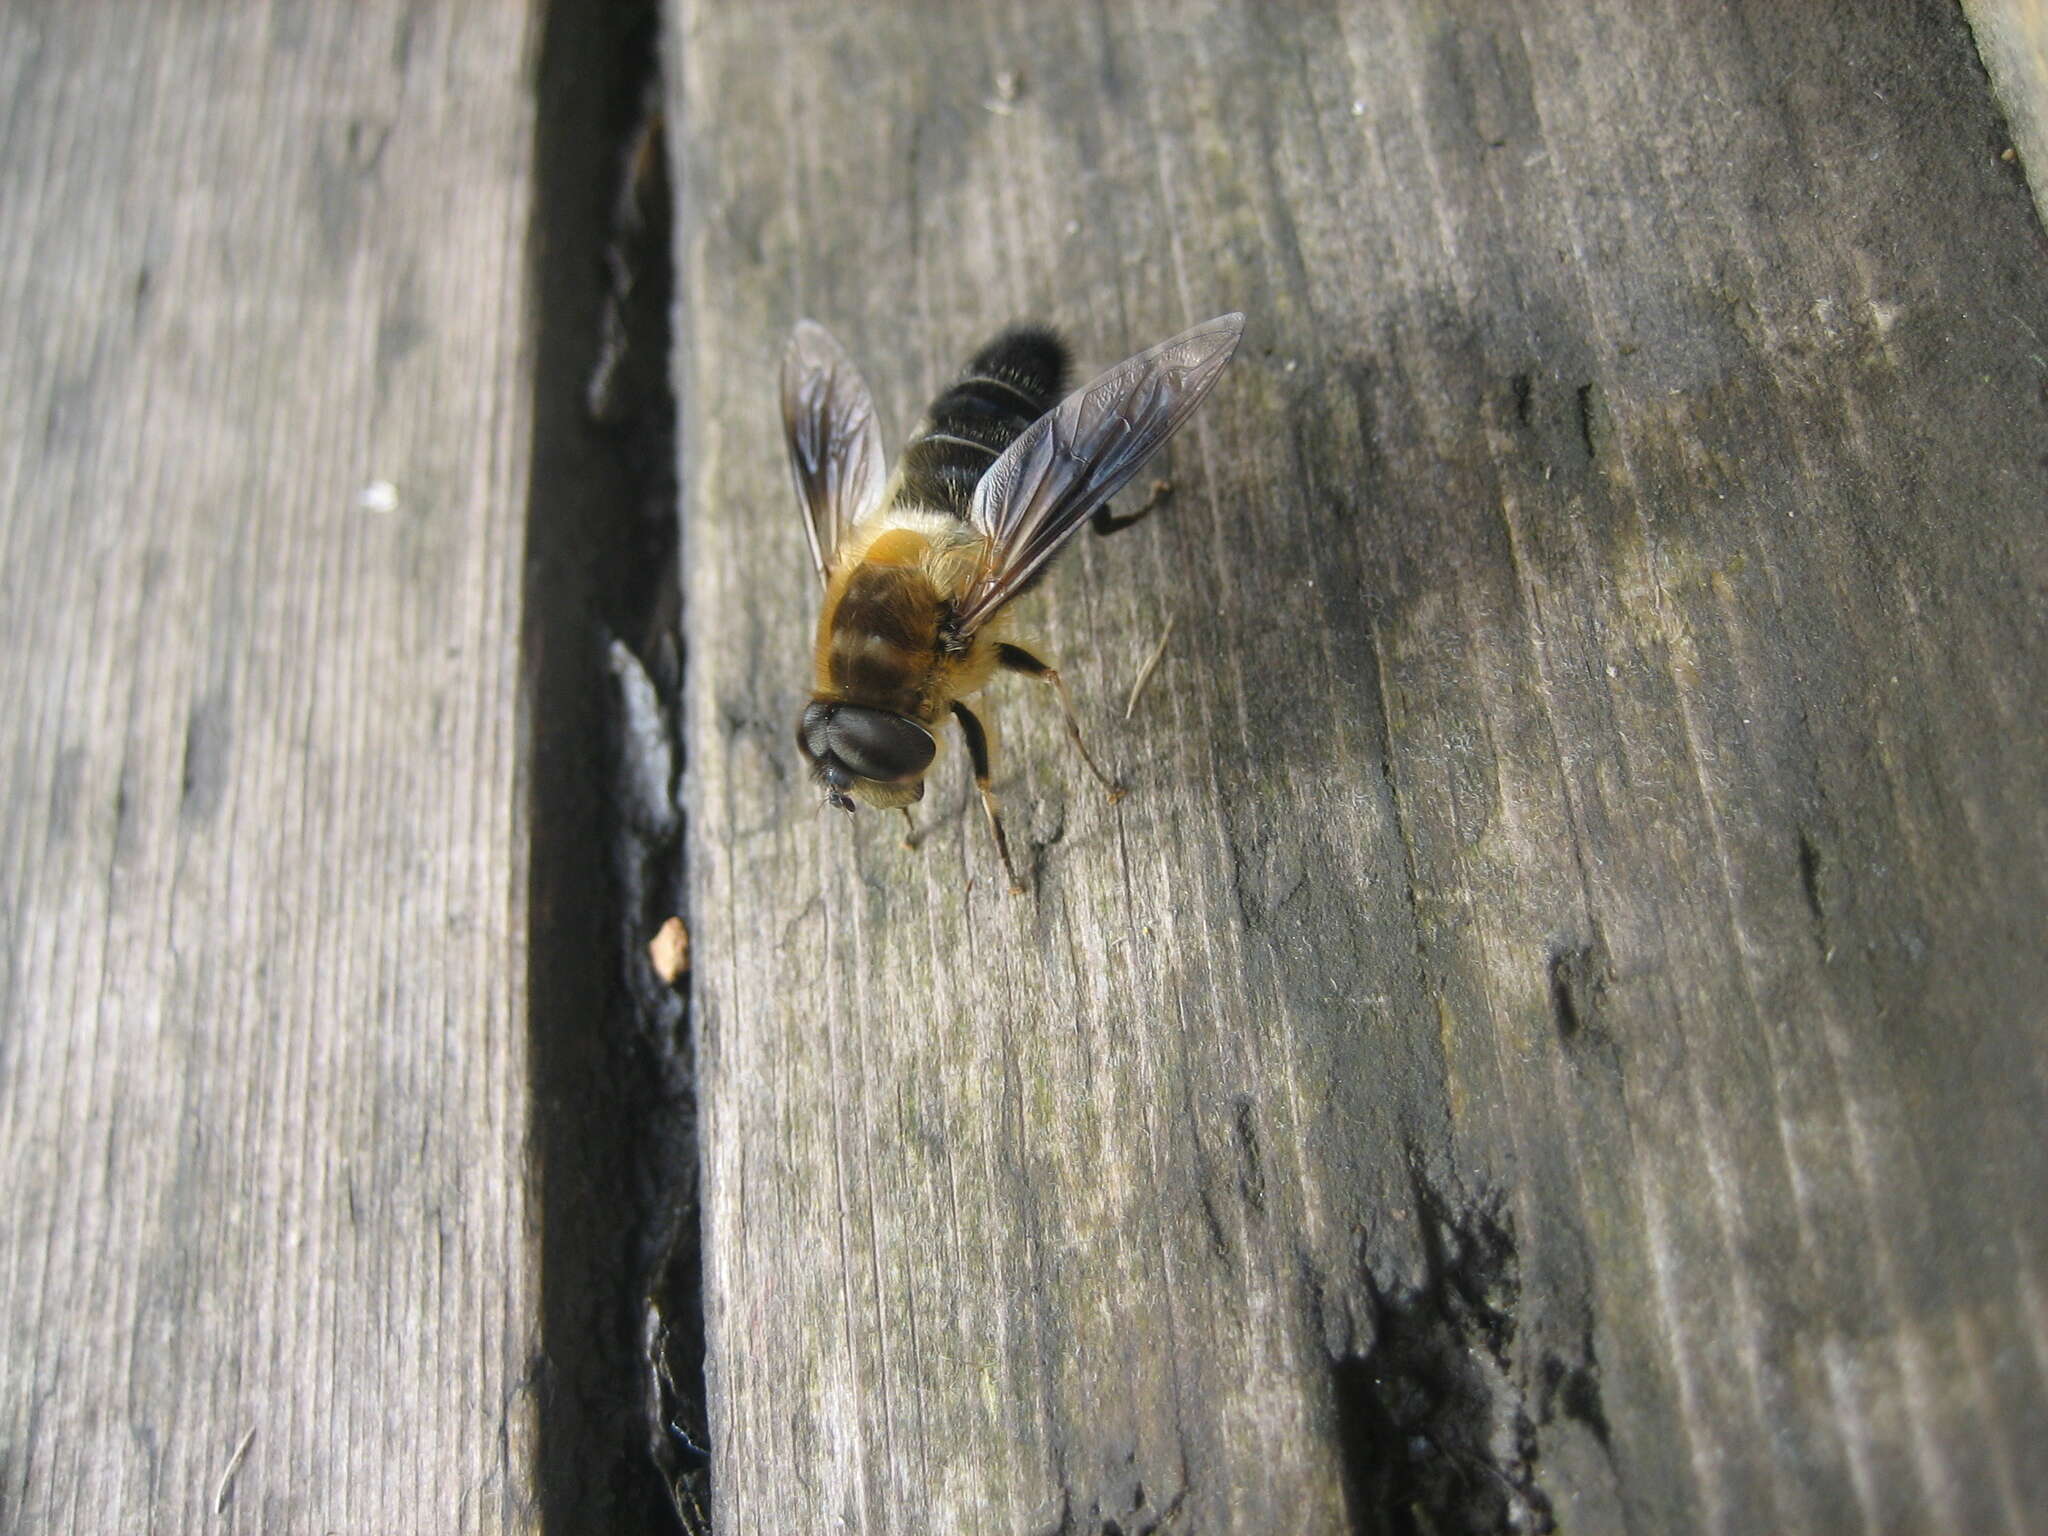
point(263, 1089)
point(1556, 1033)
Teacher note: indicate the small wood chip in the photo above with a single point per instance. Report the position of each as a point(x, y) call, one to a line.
point(669, 950)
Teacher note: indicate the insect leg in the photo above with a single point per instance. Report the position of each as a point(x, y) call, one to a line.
point(1014, 658)
point(1106, 522)
point(909, 828)
point(977, 752)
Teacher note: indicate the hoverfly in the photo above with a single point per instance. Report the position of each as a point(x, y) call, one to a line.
point(920, 567)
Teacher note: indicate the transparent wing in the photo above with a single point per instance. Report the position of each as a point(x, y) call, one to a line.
point(1073, 459)
point(835, 447)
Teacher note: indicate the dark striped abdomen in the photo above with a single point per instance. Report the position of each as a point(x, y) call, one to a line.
point(1012, 382)
point(879, 630)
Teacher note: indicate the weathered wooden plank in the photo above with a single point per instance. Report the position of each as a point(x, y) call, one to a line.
point(1556, 1032)
point(263, 1098)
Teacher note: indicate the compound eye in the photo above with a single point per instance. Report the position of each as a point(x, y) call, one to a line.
point(878, 745)
point(812, 729)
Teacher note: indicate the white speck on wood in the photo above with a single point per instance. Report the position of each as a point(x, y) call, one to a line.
point(378, 496)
